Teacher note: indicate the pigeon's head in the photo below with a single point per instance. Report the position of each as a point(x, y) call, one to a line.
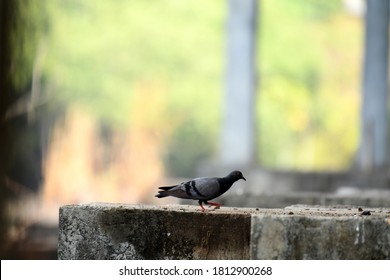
point(237, 175)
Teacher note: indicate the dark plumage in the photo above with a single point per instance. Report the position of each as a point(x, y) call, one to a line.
point(202, 189)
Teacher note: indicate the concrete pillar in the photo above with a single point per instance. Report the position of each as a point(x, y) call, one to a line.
point(374, 150)
point(238, 128)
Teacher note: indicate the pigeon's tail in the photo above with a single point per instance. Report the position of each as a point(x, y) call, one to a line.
point(164, 191)
point(162, 194)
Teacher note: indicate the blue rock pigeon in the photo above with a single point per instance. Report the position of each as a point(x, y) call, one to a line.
point(202, 189)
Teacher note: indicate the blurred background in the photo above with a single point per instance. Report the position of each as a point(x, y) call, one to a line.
point(107, 100)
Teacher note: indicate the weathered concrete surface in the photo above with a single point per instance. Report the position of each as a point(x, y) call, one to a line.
point(117, 231)
point(309, 232)
point(114, 231)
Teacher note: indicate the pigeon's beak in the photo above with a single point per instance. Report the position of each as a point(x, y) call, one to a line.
point(243, 178)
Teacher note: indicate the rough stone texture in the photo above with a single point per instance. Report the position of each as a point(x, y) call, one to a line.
point(117, 231)
point(309, 232)
point(114, 231)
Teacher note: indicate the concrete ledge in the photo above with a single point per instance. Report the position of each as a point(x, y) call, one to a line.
point(112, 231)
point(117, 231)
point(322, 233)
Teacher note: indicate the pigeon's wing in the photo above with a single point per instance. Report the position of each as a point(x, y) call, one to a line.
point(198, 189)
point(205, 188)
point(202, 189)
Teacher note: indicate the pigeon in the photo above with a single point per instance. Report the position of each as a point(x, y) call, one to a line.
point(202, 189)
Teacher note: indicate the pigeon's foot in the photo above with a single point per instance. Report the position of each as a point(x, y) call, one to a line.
point(201, 206)
point(217, 205)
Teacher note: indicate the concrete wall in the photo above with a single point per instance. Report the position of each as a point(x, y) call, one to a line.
point(312, 233)
point(105, 231)
point(115, 231)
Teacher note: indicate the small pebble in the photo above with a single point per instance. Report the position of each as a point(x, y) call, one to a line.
point(366, 213)
point(360, 209)
point(291, 213)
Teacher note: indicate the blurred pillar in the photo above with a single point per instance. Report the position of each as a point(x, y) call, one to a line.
point(238, 128)
point(374, 138)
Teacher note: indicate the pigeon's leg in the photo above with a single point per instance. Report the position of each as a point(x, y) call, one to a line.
point(201, 206)
point(217, 205)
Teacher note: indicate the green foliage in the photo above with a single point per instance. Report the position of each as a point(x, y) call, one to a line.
point(99, 52)
point(309, 89)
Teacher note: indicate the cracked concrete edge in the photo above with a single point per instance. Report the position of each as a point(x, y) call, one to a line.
point(325, 236)
point(119, 231)
point(93, 231)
